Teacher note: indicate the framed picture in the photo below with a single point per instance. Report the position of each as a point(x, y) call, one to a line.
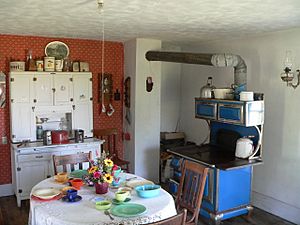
point(57, 49)
point(75, 66)
point(84, 67)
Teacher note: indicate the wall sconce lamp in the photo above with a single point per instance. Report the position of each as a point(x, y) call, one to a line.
point(288, 76)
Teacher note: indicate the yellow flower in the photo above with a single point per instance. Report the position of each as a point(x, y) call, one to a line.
point(108, 178)
point(93, 169)
point(108, 162)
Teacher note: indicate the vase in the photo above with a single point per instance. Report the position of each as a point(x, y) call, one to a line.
point(101, 188)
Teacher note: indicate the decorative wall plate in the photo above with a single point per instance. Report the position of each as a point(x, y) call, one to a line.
point(57, 49)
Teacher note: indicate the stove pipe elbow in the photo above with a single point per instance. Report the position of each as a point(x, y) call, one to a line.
point(235, 61)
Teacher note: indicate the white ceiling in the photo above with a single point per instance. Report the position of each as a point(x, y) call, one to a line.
point(184, 21)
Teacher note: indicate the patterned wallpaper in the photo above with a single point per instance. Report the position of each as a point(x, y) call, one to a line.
point(15, 47)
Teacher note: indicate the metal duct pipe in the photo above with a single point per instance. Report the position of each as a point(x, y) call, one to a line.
point(217, 60)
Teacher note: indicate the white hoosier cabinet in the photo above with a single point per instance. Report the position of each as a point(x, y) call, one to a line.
point(51, 100)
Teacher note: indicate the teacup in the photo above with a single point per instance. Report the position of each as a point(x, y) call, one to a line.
point(121, 195)
point(76, 183)
point(71, 194)
point(62, 177)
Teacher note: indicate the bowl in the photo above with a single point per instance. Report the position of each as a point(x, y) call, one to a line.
point(148, 191)
point(121, 195)
point(103, 205)
point(61, 177)
point(125, 189)
point(76, 183)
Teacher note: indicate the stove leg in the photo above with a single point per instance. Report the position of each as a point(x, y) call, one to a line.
point(248, 217)
point(215, 219)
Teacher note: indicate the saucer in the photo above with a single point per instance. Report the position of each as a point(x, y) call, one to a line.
point(116, 202)
point(77, 199)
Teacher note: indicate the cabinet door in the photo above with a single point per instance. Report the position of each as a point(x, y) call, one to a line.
point(22, 122)
point(43, 89)
point(20, 88)
point(231, 113)
point(63, 94)
point(29, 174)
point(206, 110)
point(83, 103)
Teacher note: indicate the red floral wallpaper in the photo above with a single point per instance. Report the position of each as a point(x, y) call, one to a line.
point(15, 47)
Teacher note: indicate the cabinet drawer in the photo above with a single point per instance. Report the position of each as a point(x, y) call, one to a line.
point(231, 113)
point(206, 110)
point(34, 157)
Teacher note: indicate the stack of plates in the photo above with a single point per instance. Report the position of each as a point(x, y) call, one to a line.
point(46, 193)
point(135, 183)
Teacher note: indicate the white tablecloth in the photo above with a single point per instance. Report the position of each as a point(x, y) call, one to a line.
point(57, 212)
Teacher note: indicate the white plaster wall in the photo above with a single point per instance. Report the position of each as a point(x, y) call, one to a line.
point(145, 108)
point(130, 71)
point(276, 183)
point(170, 92)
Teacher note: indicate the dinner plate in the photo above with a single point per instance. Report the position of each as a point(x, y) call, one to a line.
point(78, 173)
point(128, 210)
point(135, 183)
point(46, 193)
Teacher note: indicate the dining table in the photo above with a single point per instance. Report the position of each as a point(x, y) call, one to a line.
point(55, 211)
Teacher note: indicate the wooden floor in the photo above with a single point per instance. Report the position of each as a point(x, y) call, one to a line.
point(10, 214)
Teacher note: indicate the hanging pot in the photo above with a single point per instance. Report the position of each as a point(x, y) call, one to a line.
point(206, 91)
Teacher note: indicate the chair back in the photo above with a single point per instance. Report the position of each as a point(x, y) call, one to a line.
point(110, 137)
point(191, 188)
point(179, 219)
point(71, 160)
point(110, 146)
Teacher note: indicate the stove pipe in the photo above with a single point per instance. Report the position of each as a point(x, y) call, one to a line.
point(217, 60)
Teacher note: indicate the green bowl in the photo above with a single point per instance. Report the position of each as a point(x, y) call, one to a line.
point(103, 205)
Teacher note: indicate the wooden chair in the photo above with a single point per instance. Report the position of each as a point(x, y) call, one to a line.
point(179, 219)
point(72, 160)
point(110, 137)
point(190, 190)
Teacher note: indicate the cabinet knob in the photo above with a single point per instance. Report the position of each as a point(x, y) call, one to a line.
point(73, 106)
point(34, 100)
point(71, 99)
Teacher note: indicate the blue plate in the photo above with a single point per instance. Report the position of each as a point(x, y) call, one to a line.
point(77, 199)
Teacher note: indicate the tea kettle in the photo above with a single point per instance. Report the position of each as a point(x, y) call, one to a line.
point(206, 91)
point(244, 148)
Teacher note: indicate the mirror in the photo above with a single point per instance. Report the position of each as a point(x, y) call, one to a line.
point(2, 89)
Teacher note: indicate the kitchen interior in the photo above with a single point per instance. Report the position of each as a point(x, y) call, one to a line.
point(163, 95)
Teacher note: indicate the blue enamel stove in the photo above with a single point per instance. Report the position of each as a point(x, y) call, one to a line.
point(228, 187)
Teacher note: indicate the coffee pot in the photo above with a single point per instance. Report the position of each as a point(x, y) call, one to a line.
point(206, 91)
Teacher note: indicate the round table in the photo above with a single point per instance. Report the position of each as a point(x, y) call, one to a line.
point(58, 212)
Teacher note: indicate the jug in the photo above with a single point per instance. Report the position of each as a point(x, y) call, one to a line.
point(244, 148)
point(206, 91)
point(79, 136)
point(59, 65)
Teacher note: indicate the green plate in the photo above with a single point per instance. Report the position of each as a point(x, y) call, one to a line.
point(78, 173)
point(128, 210)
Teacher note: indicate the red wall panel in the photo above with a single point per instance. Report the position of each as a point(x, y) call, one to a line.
point(15, 47)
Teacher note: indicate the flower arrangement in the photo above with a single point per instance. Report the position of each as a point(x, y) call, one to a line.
point(102, 170)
